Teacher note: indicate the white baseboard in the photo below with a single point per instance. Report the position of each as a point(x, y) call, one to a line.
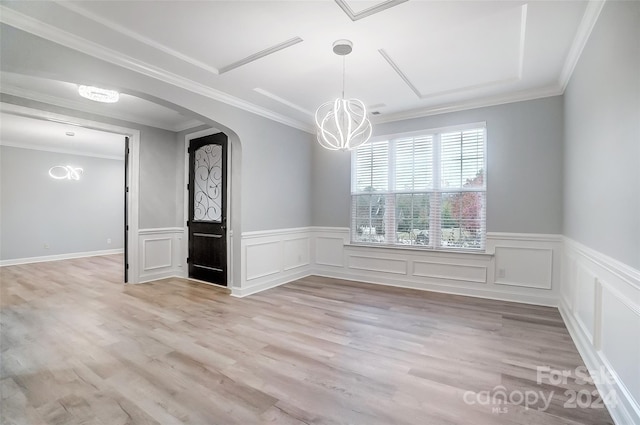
point(58, 257)
point(546, 301)
point(600, 305)
point(270, 283)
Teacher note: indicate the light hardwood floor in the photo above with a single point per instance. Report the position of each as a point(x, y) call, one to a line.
point(80, 348)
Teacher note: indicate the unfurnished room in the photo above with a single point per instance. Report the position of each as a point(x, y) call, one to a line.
point(400, 212)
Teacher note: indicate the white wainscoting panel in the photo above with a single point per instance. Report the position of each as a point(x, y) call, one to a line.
point(263, 259)
point(600, 304)
point(450, 271)
point(297, 252)
point(329, 251)
point(160, 253)
point(529, 267)
point(459, 272)
point(378, 264)
point(273, 257)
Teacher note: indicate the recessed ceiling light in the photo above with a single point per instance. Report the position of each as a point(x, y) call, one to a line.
point(99, 95)
point(70, 133)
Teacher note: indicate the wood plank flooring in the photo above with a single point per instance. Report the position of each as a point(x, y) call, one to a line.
point(78, 347)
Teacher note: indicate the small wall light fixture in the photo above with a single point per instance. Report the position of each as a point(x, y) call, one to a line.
point(65, 172)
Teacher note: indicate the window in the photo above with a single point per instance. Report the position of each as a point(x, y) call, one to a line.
point(426, 190)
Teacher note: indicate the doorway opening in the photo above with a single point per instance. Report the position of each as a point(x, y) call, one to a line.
point(68, 190)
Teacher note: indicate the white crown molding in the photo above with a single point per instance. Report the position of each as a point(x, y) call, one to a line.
point(81, 106)
point(136, 36)
point(470, 104)
point(72, 41)
point(42, 148)
point(588, 22)
point(283, 101)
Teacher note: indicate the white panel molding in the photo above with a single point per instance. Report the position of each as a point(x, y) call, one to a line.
point(456, 269)
point(157, 256)
point(588, 22)
point(378, 264)
point(296, 253)
point(504, 81)
point(262, 259)
point(72, 41)
point(610, 342)
point(376, 8)
point(160, 253)
point(457, 272)
point(543, 282)
point(273, 257)
point(58, 257)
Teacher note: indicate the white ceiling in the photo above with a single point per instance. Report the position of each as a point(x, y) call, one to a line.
point(31, 133)
point(411, 58)
point(65, 94)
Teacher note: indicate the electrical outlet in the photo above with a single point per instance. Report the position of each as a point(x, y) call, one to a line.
point(502, 273)
point(46, 246)
point(108, 240)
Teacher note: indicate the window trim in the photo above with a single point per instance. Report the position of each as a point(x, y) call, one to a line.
point(435, 133)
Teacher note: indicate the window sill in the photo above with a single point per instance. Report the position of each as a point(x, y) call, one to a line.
point(412, 248)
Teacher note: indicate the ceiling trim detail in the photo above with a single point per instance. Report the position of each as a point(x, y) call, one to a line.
point(79, 106)
point(354, 16)
point(56, 35)
point(261, 54)
point(283, 101)
point(136, 36)
point(471, 104)
point(521, 44)
point(589, 19)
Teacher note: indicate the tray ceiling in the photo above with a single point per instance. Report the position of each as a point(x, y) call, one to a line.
point(410, 58)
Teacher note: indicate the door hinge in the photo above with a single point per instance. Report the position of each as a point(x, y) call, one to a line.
point(128, 151)
point(127, 189)
point(188, 260)
point(127, 228)
point(187, 224)
point(188, 186)
point(127, 266)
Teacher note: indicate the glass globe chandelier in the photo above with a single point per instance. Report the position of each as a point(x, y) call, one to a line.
point(342, 123)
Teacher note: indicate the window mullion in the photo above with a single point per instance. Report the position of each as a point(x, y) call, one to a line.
point(390, 201)
point(435, 221)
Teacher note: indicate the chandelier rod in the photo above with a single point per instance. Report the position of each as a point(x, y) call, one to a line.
point(344, 60)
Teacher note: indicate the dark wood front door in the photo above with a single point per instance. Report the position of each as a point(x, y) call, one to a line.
point(208, 209)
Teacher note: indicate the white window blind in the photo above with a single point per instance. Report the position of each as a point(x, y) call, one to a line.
point(427, 190)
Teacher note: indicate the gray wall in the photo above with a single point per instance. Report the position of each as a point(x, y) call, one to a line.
point(602, 138)
point(524, 166)
point(70, 216)
point(157, 164)
point(275, 174)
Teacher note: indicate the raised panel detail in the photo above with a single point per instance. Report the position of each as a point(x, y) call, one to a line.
point(460, 272)
point(620, 338)
point(296, 253)
point(330, 251)
point(377, 264)
point(528, 267)
point(263, 259)
point(585, 301)
point(156, 253)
